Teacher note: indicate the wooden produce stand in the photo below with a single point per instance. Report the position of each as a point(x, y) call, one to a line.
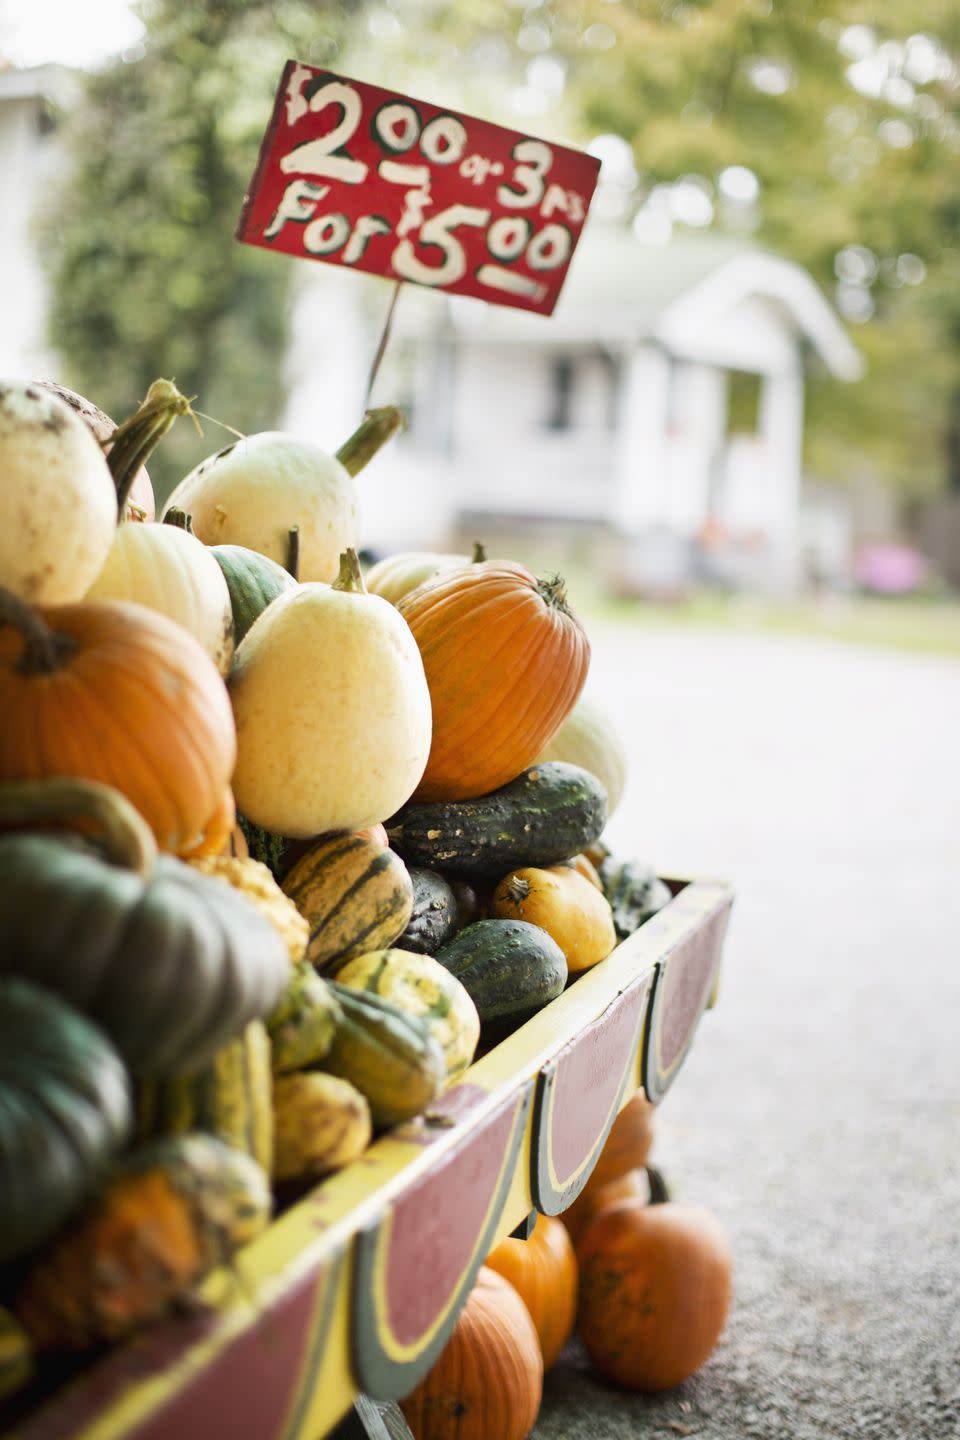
point(356, 1287)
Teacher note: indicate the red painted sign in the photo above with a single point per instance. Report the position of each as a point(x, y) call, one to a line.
point(362, 177)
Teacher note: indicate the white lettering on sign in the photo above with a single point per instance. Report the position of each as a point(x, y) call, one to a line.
point(437, 232)
point(318, 157)
point(299, 202)
point(509, 282)
point(568, 202)
point(297, 105)
point(326, 234)
point(364, 230)
point(526, 185)
point(477, 167)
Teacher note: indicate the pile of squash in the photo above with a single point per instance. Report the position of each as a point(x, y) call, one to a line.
point(643, 1280)
point(280, 845)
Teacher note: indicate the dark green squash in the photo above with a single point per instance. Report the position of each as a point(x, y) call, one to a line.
point(509, 968)
point(230, 1098)
point(389, 1056)
point(547, 814)
point(172, 964)
point(254, 582)
point(435, 917)
point(64, 1110)
point(635, 892)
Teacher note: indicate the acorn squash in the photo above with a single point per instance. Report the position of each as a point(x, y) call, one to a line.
point(355, 896)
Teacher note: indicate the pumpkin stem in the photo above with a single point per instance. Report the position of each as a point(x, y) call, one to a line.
point(44, 650)
point(553, 589)
point(518, 890)
point(293, 552)
point(479, 553)
point(349, 577)
point(659, 1189)
point(372, 434)
point(132, 443)
point(125, 836)
point(180, 518)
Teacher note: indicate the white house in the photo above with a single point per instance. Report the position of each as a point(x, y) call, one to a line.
point(614, 411)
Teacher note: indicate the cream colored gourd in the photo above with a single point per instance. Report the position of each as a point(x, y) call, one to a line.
point(253, 492)
point(589, 738)
point(332, 710)
point(58, 500)
point(397, 575)
point(170, 571)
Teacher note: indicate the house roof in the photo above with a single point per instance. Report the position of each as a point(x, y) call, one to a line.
point(620, 291)
point(36, 82)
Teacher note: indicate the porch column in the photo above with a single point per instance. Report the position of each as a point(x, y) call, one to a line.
point(781, 426)
point(638, 494)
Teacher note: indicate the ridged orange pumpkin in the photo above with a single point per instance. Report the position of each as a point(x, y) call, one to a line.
point(641, 1184)
point(543, 1271)
point(112, 691)
point(629, 1143)
point(505, 659)
point(488, 1382)
point(655, 1290)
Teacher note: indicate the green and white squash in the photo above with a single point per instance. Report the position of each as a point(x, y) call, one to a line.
point(390, 1056)
point(253, 581)
point(422, 987)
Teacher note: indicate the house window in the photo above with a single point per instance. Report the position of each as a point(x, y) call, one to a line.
point(743, 403)
point(560, 415)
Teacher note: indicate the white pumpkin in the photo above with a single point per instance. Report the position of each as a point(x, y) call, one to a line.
point(332, 710)
point(58, 501)
point(255, 491)
point(169, 570)
point(398, 574)
point(589, 738)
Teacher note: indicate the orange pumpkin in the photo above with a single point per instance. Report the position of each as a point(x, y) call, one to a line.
point(114, 692)
point(488, 1382)
point(595, 1198)
point(505, 659)
point(629, 1143)
point(563, 902)
point(585, 867)
point(543, 1271)
point(655, 1290)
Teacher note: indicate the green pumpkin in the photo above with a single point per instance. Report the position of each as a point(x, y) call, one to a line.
point(254, 582)
point(64, 1110)
point(172, 964)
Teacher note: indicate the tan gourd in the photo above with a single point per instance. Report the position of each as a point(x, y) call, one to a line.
point(332, 710)
point(170, 571)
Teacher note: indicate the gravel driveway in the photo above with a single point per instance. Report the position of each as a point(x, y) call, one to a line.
point(819, 1112)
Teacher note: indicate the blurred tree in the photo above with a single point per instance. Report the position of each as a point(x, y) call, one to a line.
point(827, 131)
point(148, 280)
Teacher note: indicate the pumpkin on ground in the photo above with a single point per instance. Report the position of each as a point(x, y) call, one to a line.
point(174, 1210)
point(543, 1271)
point(655, 1290)
point(168, 570)
point(488, 1382)
point(628, 1145)
point(332, 710)
point(589, 738)
point(634, 1185)
point(505, 659)
point(114, 692)
point(64, 1110)
point(170, 963)
point(566, 905)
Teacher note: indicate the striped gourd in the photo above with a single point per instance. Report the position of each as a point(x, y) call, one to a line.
point(355, 895)
point(422, 987)
point(322, 1124)
point(390, 1056)
point(301, 1028)
point(231, 1098)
